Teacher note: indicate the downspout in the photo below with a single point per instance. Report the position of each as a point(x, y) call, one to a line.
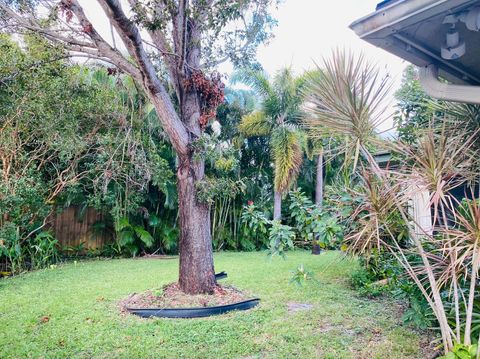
point(445, 91)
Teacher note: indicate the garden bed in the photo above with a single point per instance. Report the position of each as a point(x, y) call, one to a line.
point(170, 296)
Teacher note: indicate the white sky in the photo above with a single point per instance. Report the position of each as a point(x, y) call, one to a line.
point(310, 29)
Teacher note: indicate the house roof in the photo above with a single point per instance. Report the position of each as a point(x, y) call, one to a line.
point(384, 3)
point(415, 31)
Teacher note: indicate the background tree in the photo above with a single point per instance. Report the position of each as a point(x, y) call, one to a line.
point(186, 37)
point(279, 119)
point(415, 109)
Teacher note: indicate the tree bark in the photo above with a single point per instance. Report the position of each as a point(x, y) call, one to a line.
point(196, 274)
point(319, 181)
point(277, 206)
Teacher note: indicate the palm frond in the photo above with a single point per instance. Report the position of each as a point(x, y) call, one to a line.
point(287, 100)
point(255, 124)
point(287, 153)
point(257, 80)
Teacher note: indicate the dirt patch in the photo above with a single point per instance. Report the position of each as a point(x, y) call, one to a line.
point(293, 307)
point(170, 296)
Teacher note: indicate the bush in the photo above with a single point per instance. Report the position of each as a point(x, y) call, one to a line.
point(366, 284)
point(255, 227)
point(313, 225)
point(281, 238)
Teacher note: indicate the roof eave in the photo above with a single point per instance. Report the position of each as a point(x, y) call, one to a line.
point(393, 17)
point(383, 27)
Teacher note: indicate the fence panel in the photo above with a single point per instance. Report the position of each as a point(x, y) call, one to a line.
point(71, 228)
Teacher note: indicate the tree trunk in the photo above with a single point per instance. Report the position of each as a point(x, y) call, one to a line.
point(197, 275)
point(277, 206)
point(319, 181)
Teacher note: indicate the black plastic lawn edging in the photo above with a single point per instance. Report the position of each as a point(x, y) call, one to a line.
point(221, 275)
point(194, 312)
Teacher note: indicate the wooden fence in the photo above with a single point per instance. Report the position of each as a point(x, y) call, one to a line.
point(72, 227)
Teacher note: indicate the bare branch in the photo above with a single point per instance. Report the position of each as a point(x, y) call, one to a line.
point(98, 47)
point(104, 49)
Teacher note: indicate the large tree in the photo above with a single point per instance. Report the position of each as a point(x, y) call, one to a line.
point(187, 39)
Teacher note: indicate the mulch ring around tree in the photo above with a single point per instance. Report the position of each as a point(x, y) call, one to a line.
point(170, 296)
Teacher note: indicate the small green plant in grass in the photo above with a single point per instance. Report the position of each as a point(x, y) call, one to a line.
point(301, 275)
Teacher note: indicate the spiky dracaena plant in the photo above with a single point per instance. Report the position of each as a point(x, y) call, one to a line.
point(348, 103)
point(439, 162)
point(435, 164)
point(463, 239)
point(376, 214)
point(465, 119)
point(278, 118)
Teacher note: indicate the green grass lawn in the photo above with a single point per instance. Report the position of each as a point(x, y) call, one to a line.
point(80, 302)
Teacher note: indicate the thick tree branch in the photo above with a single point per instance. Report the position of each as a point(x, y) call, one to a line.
point(98, 48)
point(182, 32)
point(158, 95)
point(104, 49)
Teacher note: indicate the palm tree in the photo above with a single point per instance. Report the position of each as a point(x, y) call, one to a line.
point(277, 117)
point(319, 153)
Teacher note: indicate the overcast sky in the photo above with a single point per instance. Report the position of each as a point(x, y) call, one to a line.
point(309, 29)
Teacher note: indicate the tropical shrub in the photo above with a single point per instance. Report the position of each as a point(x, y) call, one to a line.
point(43, 250)
point(132, 237)
point(312, 224)
point(255, 226)
point(366, 285)
point(280, 238)
point(462, 351)
point(93, 140)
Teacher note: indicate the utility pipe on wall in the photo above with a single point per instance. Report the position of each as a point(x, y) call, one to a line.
point(445, 91)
